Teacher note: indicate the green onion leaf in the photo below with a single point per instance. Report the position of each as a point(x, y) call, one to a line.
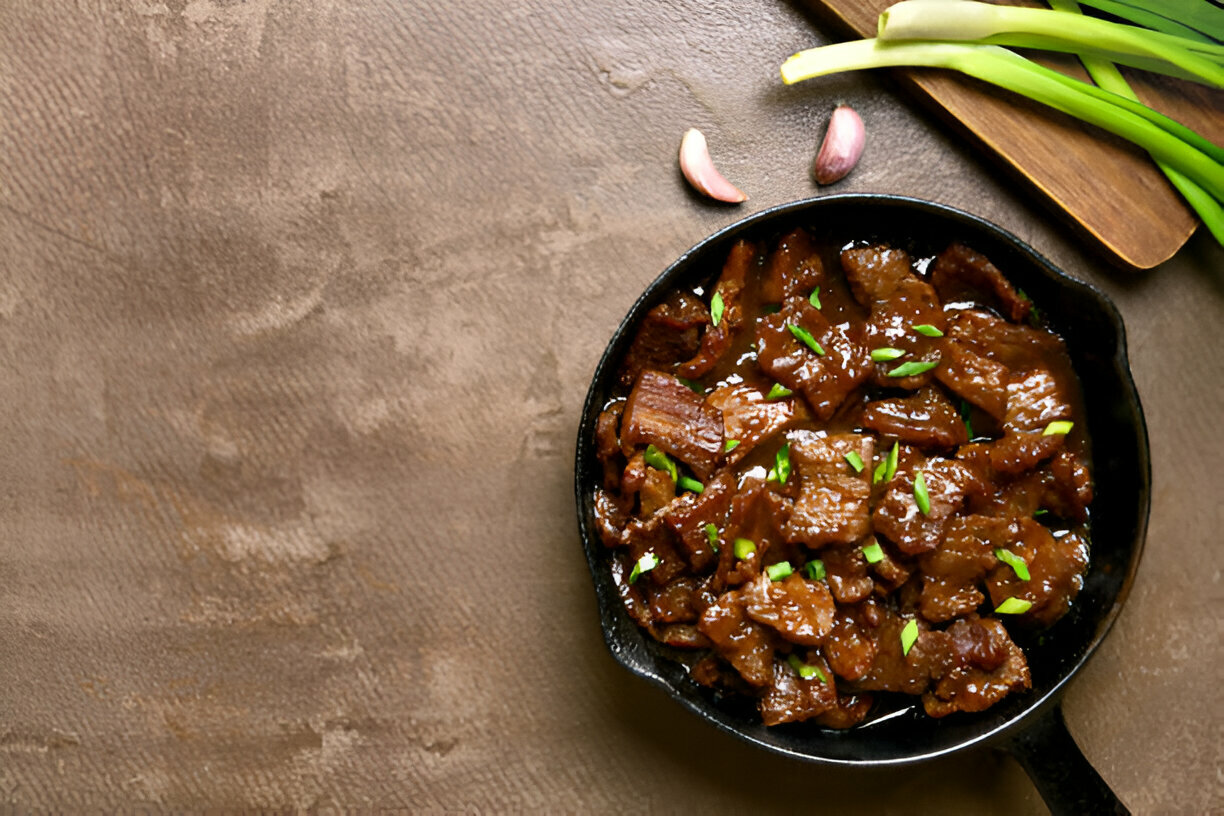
point(879, 471)
point(804, 336)
point(689, 483)
point(815, 298)
point(1040, 513)
point(1014, 606)
point(782, 463)
point(965, 410)
point(1061, 426)
point(778, 571)
point(909, 634)
point(712, 535)
point(661, 461)
point(815, 569)
point(730, 445)
point(855, 461)
point(920, 494)
point(778, 392)
point(804, 670)
point(716, 308)
point(913, 368)
point(1015, 562)
point(693, 385)
point(873, 552)
point(645, 564)
point(743, 548)
point(928, 330)
point(892, 461)
point(883, 355)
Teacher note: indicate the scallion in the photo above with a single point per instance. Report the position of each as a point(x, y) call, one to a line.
point(965, 411)
point(644, 564)
point(782, 463)
point(893, 456)
point(815, 569)
point(743, 548)
point(717, 307)
point(1014, 561)
point(855, 461)
point(661, 461)
point(693, 385)
point(730, 445)
point(778, 571)
point(1040, 513)
point(804, 670)
point(927, 330)
point(804, 336)
point(879, 471)
point(1059, 427)
point(873, 552)
point(815, 298)
point(913, 368)
point(691, 484)
point(711, 530)
point(909, 635)
point(1014, 606)
point(921, 497)
point(883, 355)
point(778, 391)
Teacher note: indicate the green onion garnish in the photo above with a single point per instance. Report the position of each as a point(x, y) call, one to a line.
point(712, 535)
point(743, 548)
point(645, 564)
point(778, 571)
point(873, 552)
point(855, 461)
point(815, 298)
point(928, 330)
point(782, 463)
point(892, 461)
point(730, 445)
point(1039, 513)
point(883, 355)
point(1061, 426)
point(909, 634)
point(689, 483)
point(778, 392)
point(879, 471)
point(716, 308)
point(1014, 606)
point(805, 337)
point(804, 670)
point(920, 494)
point(1014, 561)
point(965, 409)
point(661, 461)
point(913, 368)
point(815, 569)
point(693, 385)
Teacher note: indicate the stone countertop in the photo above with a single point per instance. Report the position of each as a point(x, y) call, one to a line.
point(299, 307)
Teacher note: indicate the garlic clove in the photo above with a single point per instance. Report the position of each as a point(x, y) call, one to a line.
point(698, 168)
point(842, 146)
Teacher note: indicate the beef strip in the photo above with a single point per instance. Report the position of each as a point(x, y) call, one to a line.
point(833, 502)
point(658, 491)
point(756, 515)
point(892, 570)
point(846, 570)
point(890, 669)
point(926, 419)
point(960, 274)
point(792, 698)
point(897, 517)
point(975, 378)
point(1035, 398)
point(798, 610)
point(607, 444)
point(669, 333)
point(744, 643)
point(652, 535)
point(794, 268)
point(851, 709)
point(824, 380)
point(611, 516)
point(1019, 348)
point(953, 572)
point(982, 665)
point(674, 602)
point(882, 280)
point(849, 648)
point(681, 636)
point(666, 413)
point(748, 417)
point(716, 340)
point(1056, 569)
point(688, 516)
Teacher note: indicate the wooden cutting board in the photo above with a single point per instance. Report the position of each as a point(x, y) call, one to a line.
point(1105, 187)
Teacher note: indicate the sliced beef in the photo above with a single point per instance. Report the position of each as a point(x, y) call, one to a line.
point(670, 333)
point(824, 380)
point(682, 636)
point(846, 571)
point(892, 570)
point(953, 572)
point(742, 642)
point(1069, 490)
point(798, 610)
point(833, 505)
point(891, 669)
point(794, 268)
point(688, 516)
point(982, 666)
point(975, 378)
point(926, 419)
point(792, 698)
point(631, 595)
point(658, 491)
point(1019, 348)
point(611, 516)
point(850, 647)
point(716, 340)
point(1034, 399)
point(851, 709)
point(748, 417)
point(652, 535)
point(959, 274)
point(898, 518)
point(666, 413)
point(1056, 572)
point(607, 444)
point(757, 515)
point(677, 601)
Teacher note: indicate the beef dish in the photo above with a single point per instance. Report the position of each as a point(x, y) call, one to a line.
point(826, 504)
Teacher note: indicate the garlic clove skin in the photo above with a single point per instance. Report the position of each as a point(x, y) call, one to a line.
point(842, 146)
point(698, 168)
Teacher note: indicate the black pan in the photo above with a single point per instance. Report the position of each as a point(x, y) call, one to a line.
point(1029, 725)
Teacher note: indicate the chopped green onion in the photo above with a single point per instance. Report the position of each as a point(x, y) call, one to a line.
point(778, 571)
point(782, 463)
point(689, 483)
point(1040, 513)
point(815, 569)
point(913, 368)
point(778, 392)
point(920, 494)
point(717, 308)
point(1061, 426)
point(815, 298)
point(712, 535)
point(965, 410)
point(909, 634)
point(883, 355)
point(855, 461)
point(692, 384)
point(1014, 606)
point(730, 445)
point(893, 455)
point(805, 337)
point(879, 471)
point(743, 548)
point(661, 461)
point(1015, 562)
point(645, 564)
point(804, 670)
point(928, 330)
point(873, 552)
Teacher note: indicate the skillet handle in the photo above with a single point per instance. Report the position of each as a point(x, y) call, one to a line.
point(1066, 781)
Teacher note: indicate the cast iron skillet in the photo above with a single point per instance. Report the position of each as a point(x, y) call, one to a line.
point(1029, 725)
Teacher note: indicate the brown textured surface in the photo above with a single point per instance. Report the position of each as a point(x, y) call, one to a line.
point(298, 307)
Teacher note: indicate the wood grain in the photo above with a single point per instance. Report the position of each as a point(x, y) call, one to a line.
point(1103, 186)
